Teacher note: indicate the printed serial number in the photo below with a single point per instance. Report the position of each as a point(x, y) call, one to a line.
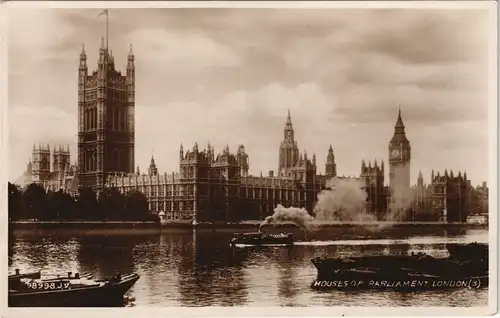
point(48, 286)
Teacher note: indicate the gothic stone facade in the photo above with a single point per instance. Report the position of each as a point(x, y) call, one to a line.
point(62, 174)
point(481, 197)
point(451, 196)
point(106, 101)
point(217, 187)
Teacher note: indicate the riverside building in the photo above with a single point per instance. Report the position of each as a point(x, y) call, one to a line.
point(212, 186)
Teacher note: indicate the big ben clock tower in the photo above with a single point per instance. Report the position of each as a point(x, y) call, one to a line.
point(399, 157)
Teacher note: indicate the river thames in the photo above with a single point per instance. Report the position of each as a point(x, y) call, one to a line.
point(200, 269)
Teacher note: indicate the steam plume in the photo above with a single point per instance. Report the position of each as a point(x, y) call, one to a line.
point(298, 216)
point(402, 197)
point(343, 200)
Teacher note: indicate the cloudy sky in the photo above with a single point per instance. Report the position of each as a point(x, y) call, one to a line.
point(228, 76)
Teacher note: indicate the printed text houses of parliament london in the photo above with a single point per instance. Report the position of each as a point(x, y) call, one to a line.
point(212, 186)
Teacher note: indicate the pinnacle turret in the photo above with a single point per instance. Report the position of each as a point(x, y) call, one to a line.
point(83, 55)
point(399, 122)
point(152, 171)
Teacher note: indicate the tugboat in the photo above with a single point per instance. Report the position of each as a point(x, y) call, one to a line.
point(260, 238)
point(30, 290)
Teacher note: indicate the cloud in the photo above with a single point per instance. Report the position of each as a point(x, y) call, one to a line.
point(413, 37)
point(37, 29)
point(253, 118)
point(374, 102)
point(37, 125)
point(187, 51)
point(230, 75)
point(46, 122)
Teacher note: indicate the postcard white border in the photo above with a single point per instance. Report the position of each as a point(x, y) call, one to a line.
point(262, 311)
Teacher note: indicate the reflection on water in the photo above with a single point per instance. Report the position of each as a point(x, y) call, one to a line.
point(200, 269)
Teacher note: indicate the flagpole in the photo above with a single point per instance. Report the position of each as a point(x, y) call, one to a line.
point(107, 25)
point(107, 31)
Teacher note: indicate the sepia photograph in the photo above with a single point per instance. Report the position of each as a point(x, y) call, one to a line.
point(336, 156)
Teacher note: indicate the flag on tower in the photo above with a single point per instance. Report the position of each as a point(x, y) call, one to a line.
point(104, 12)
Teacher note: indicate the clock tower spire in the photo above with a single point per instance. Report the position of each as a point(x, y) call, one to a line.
point(399, 157)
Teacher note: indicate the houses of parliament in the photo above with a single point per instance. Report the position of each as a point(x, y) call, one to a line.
point(216, 186)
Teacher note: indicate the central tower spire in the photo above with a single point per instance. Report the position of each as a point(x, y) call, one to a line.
point(288, 135)
point(289, 151)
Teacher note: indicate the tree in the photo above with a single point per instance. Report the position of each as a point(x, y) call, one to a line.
point(48, 213)
point(112, 204)
point(15, 210)
point(136, 207)
point(61, 206)
point(87, 205)
point(36, 201)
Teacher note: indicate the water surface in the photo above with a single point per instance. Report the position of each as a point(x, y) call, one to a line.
point(200, 269)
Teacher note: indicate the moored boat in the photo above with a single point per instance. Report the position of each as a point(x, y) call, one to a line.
point(260, 238)
point(18, 275)
point(70, 291)
point(468, 251)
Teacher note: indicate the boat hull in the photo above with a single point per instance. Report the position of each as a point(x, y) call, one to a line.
point(262, 239)
point(388, 266)
point(32, 275)
point(468, 251)
point(262, 242)
point(416, 272)
point(107, 295)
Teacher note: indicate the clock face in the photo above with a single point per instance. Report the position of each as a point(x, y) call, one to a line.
point(395, 153)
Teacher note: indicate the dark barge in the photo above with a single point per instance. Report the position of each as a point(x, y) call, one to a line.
point(29, 290)
point(468, 251)
point(260, 238)
point(406, 272)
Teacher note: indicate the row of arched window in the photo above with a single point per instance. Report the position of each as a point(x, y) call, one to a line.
point(116, 160)
point(90, 118)
point(90, 160)
point(116, 118)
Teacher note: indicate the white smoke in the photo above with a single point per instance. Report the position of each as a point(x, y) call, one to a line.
point(298, 216)
point(343, 200)
point(402, 196)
